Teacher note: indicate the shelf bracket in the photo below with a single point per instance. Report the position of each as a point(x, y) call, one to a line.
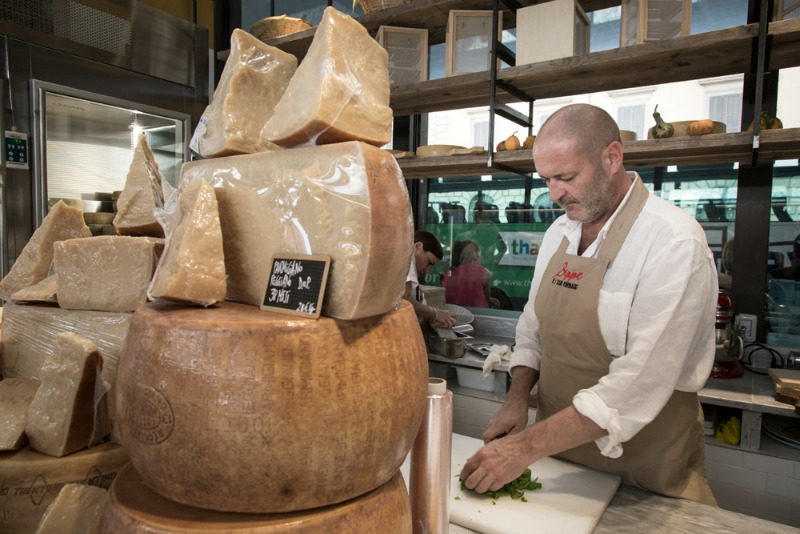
point(502, 52)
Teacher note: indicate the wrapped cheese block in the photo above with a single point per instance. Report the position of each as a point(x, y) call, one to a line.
point(16, 395)
point(105, 273)
point(32, 266)
point(340, 91)
point(29, 338)
point(133, 508)
point(142, 194)
point(252, 82)
point(32, 480)
point(77, 510)
point(192, 267)
point(44, 291)
point(348, 201)
point(236, 409)
point(69, 411)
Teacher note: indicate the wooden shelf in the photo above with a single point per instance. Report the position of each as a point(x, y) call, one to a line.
point(704, 55)
point(716, 148)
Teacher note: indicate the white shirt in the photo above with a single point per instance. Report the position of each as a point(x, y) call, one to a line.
point(413, 277)
point(657, 312)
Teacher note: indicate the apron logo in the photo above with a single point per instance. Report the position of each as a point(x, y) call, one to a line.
point(566, 278)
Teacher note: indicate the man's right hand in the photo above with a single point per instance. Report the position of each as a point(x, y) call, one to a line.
point(510, 419)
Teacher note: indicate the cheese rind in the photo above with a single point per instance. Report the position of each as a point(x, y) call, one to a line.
point(77, 510)
point(348, 201)
point(142, 194)
point(105, 273)
point(340, 91)
point(134, 507)
point(16, 395)
point(69, 411)
point(253, 80)
point(32, 480)
point(283, 414)
point(32, 266)
point(192, 267)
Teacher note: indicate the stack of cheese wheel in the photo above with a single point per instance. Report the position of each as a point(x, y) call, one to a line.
point(243, 420)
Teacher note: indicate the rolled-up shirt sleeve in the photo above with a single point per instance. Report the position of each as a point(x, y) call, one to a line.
point(668, 343)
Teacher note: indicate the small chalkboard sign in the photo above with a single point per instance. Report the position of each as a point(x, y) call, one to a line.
point(296, 284)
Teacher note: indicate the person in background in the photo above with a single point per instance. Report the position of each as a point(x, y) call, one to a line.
point(618, 331)
point(467, 282)
point(427, 253)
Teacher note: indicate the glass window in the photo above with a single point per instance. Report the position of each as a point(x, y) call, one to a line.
point(604, 25)
point(708, 15)
point(727, 109)
point(632, 118)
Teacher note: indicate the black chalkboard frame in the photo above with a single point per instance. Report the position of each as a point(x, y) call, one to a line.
point(318, 262)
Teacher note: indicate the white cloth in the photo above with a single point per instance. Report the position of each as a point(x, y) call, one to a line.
point(497, 354)
point(657, 310)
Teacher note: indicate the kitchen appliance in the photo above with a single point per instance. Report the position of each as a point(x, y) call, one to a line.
point(730, 345)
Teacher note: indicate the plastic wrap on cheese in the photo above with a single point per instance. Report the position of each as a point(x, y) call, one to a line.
point(340, 91)
point(145, 190)
point(105, 273)
point(43, 291)
point(252, 82)
point(33, 264)
point(346, 200)
point(192, 267)
point(29, 338)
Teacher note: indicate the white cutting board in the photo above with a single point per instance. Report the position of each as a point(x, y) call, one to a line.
point(572, 498)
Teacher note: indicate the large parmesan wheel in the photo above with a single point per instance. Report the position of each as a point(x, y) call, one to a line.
point(30, 481)
point(133, 507)
point(239, 410)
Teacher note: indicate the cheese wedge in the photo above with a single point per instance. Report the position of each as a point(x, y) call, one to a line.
point(105, 273)
point(340, 91)
point(69, 411)
point(252, 82)
point(77, 510)
point(348, 201)
point(16, 395)
point(44, 291)
point(142, 194)
point(32, 266)
point(192, 268)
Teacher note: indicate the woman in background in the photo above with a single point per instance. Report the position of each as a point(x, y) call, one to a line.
point(467, 283)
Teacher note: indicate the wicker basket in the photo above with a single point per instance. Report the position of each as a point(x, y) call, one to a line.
point(272, 27)
point(370, 6)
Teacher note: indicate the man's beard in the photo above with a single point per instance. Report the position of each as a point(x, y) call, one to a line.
point(597, 202)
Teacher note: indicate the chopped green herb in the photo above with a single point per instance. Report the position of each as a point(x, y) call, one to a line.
point(515, 489)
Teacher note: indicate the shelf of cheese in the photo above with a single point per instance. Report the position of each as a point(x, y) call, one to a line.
point(715, 148)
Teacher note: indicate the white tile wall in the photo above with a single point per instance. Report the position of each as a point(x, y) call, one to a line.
point(747, 482)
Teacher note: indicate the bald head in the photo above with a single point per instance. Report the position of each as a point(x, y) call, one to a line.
point(590, 128)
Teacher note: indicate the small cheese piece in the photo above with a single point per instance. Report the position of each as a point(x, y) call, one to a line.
point(69, 411)
point(32, 480)
point(105, 273)
point(348, 201)
point(33, 264)
point(76, 510)
point(16, 395)
point(44, 291)
point(252, 82)
point(326, 410)
point(134, 507)
point(192, 268)
point(142, 194)
point(340, 91)
point(29, 338)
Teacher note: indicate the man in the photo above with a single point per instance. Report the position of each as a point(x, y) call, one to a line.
point(427, 253)
point(618, 331)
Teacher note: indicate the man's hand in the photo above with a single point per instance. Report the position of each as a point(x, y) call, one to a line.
point(443, 319)
point(510, 419)
point(497, 463)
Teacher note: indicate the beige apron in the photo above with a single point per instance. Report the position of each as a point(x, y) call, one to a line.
point(666, 456)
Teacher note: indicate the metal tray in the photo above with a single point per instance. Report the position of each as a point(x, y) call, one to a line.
point(452, 348)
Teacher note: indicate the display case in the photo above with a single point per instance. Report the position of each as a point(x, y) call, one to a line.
point(555, 29)
point(654, 20)
point(467, 45)
point(408, 53)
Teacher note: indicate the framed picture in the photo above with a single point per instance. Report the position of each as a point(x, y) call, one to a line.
point(408, 53)
point(468, 41)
